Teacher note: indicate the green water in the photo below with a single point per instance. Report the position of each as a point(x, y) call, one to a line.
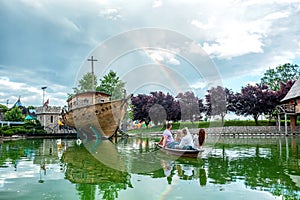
point(232, 168)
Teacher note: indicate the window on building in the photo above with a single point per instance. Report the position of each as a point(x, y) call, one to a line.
point(51, 119)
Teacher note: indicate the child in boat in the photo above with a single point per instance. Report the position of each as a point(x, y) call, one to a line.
point(179, 136)
point(186, 141)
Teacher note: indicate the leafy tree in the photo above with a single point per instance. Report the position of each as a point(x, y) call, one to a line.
point(3, 108)
point(30, 107)
point(15, 115)
point(283, 90)
point(254, 100)
point(189, 105)
point(139, 107)
point(110, 84)
point(156, 107)
point(168, 109)
point(219, 102)
point(85, 84)
point(282, 73)
point(113, 85)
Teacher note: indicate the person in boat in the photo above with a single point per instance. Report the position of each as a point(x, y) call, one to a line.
point(199, 138)
point(167, 139)
point(178, 136)
point(186, 141)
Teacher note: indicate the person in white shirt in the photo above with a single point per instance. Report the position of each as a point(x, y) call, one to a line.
point(186, 140)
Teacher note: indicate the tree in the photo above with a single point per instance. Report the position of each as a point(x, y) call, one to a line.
point(156, 107)
point(254, 100)
point(218, 102)
point(111, 84)
point(282, 73)
point(15, 115)
point(85, 84)
point(3, 108)
point(189, 106)
point(30, 107)
point(163, 107)
point(283, 90)
point(139, 105)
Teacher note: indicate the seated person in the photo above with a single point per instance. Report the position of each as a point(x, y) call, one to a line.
point(168, 140)
point(199, 138)
point(178, 136)
point(186, 141)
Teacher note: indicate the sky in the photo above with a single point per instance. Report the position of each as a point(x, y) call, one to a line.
point(165, 45)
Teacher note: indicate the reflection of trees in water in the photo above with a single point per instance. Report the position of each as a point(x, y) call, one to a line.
point(260, 172)
point(89, 174)
point(14, 150)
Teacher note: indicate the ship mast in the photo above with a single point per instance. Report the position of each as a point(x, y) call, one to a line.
point(92, 60)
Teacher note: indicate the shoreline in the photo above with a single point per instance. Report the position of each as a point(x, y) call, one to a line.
point(230, 131)
point(40, 136)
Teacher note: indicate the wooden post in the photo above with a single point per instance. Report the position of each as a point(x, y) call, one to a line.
point(293, 123)
point(285, 123)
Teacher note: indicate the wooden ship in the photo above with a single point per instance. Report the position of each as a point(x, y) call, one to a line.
point(94, 115)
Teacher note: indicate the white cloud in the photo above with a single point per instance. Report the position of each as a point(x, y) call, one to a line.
point(162, 56)
point(209, 25)
point(157, 3)
point(199, 85)
point(111, 13)
point(276, 15)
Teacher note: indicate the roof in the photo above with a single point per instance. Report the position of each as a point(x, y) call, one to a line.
point(18, 103)
point(88, 93)
point(294, 92)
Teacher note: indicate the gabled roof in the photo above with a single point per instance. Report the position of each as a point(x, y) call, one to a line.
point(294, 92)
point(18, 103)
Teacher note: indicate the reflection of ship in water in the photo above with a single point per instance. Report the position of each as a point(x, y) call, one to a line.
point(89, 174)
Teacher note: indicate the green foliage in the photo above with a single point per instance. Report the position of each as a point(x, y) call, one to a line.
point(3, 108)
point(30, 107)
point(85, 84)
point(14, 115)
point(111, 84)
point(282, 73)
point(30, 127)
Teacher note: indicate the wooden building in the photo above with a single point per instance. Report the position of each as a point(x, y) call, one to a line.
point(291, 104)
point(87, 98)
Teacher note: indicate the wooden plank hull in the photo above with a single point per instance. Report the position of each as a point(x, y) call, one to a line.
point(97, 120)
point(180, 152)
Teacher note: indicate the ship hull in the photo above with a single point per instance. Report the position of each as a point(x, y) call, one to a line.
point(96, 120)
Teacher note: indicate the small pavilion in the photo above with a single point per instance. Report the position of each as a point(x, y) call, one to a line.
point(290, 105)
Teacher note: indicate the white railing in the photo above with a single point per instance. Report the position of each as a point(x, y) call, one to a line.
point(8, 123)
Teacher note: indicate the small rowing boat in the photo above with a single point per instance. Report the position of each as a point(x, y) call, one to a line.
point(181, 152)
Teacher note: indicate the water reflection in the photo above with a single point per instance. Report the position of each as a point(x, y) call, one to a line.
point(90, 175)
point(257, 168)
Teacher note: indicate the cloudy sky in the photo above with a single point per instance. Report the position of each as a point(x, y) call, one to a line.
point(47, 43)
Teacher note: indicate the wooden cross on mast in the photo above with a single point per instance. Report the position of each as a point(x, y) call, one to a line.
point(92, 60)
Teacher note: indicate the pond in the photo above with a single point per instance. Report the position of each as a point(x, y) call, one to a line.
point(133, 168)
